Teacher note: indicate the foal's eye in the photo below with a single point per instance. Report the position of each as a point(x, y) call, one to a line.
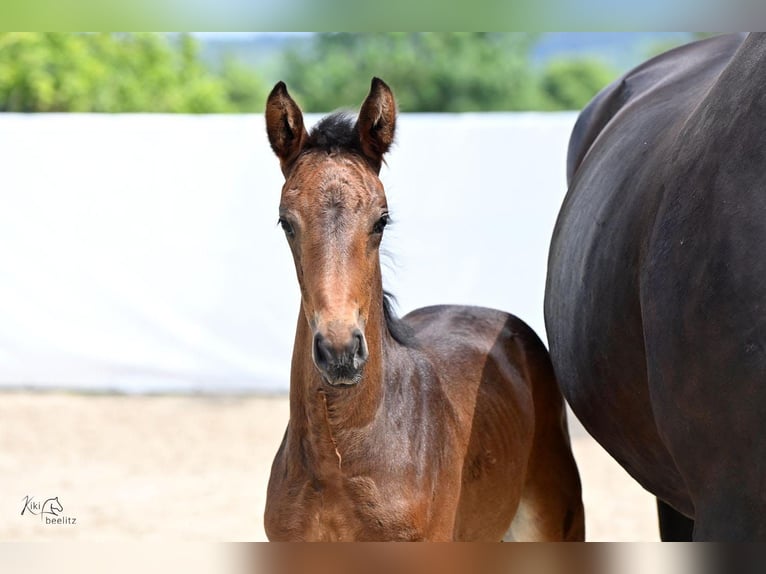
point(380, 224)
point(286, 227)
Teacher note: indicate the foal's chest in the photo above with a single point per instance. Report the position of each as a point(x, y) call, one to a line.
point(345, 509)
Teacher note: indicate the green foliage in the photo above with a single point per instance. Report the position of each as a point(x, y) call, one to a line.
point(570, 84)
point(244, 89)
point(56, 72)
point(448, 72)
point(443, 72)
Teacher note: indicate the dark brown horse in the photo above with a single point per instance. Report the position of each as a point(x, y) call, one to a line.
point(445, 425)
point(655, 302)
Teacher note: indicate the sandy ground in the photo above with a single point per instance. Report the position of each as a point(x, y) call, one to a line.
point(196, 468)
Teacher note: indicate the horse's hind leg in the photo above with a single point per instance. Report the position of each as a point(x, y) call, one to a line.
point(674, 526)
point(551, 502)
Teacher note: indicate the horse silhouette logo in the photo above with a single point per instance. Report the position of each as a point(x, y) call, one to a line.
point(50, 507)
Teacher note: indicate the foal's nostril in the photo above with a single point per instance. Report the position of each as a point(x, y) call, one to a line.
point(323, 355)
point(353, 348)
point(359, 351)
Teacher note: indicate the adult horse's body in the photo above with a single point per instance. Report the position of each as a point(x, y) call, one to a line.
point(447, 424)
point(655, 301)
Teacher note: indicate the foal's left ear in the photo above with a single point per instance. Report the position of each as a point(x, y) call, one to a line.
point(284, 124)
point(377, 121)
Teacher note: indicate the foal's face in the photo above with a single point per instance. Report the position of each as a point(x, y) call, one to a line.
point(333, 211)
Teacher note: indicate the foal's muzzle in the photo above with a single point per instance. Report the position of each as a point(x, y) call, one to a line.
point(341, 364)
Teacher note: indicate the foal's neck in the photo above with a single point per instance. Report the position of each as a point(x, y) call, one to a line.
point(325, 419)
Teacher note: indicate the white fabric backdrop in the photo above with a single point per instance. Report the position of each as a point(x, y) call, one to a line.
point(140, 253)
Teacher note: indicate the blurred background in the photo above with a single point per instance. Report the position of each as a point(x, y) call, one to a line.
point(232, 72)
point(139, 250)
point(147, 298)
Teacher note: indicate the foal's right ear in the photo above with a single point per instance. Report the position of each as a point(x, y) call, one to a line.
point(284, 124)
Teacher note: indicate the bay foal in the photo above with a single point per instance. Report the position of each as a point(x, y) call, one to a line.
point(444, 425)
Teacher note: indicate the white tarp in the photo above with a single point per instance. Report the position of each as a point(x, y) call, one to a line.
point(141, 252)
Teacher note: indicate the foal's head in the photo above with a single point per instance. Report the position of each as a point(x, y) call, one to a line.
point(333, 211)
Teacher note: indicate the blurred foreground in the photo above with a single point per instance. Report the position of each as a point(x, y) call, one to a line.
point(372, 558)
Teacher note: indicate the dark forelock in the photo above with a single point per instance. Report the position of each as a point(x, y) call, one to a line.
point(336, 132)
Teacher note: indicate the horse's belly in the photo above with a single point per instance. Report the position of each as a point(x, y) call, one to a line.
point(595, 332)
point(627, 430)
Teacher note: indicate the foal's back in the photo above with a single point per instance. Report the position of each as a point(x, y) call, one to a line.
point(497, 376)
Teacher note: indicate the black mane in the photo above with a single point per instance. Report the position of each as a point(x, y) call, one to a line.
point(401, 332)
point(334, 133)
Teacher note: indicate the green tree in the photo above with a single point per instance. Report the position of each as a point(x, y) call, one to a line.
point(571, 84)
point(448, 72)
point(245, 90)
point(56, 72)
